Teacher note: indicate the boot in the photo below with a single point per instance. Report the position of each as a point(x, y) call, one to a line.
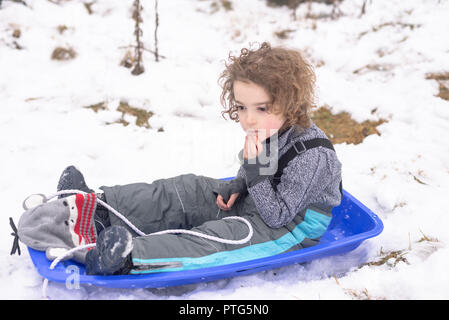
point(112, 254)
point(72, 178)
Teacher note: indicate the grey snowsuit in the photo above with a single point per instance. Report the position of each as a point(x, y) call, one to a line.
point(290, 218)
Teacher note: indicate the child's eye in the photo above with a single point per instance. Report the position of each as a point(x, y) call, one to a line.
point(262, 109)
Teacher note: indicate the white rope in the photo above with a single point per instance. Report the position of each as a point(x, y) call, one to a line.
point(139, 232)
point(213, 238)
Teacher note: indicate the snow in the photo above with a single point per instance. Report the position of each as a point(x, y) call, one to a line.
point(44, 127)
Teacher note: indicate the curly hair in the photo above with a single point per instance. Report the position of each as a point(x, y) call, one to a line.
point(286, 76)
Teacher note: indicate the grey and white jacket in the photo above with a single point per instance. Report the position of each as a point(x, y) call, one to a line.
point(311, 179)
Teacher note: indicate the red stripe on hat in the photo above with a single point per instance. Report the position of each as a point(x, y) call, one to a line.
point(85, 208)
point(85, 217)
point(79, 201)
point(81, 217)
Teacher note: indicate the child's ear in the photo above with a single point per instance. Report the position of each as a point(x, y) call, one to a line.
point(34, 200)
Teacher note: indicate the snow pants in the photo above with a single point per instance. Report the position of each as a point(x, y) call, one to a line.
point(188, 201)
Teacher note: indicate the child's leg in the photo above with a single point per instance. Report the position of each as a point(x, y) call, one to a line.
point(185, 252)
point(180, 202)
point(171, 252)
point(175, 252)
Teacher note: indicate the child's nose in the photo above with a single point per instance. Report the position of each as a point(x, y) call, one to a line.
point(251, 119)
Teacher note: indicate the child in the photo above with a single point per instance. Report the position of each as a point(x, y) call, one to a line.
point(288, 203)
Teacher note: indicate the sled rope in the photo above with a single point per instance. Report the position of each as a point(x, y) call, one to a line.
point(139, 232)
point(171, 231)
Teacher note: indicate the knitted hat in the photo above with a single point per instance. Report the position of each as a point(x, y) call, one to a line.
point(60, 224)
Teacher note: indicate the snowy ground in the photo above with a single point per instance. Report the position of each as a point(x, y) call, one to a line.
point(402, 175)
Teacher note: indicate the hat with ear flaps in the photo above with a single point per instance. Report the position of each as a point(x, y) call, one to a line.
point(59, 225)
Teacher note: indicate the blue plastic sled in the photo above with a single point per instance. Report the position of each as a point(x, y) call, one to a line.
point(351, 224)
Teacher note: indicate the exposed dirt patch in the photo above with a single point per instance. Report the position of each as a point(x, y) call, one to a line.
point(355, 294)
point(443, 80)
point(342, 128)
point(61, 53)
point(142, 116)
point(389, 24)
point(283, 34)
point(424, 247)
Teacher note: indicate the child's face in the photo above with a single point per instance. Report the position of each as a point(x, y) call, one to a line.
point(252, 108)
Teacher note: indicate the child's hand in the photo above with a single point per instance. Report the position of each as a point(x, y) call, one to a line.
point(253, 147)
point(226, 207)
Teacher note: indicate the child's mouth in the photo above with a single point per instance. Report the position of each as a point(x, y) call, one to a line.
point(251, 132)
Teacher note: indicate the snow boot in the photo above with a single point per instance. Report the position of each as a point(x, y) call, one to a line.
point(112, 254)
point(72, 178)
